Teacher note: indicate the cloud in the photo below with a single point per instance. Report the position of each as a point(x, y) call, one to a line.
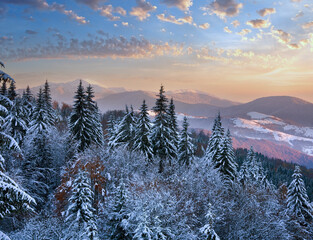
point(43, 5)
point(225, 8)
point(295, 0)
point(298, 15)
point(226, 29)
point(141, 11)
point(6, 39)
point(204, 26)
point(302, 43)
point(181, 4)
point(244, 32)
point(307, 25)
point(91, 3)
point(106, 11)
point(281, 36)
point(3, 10)
point(71, 14)
point(95, 47)
point(30, 32)
point(235, 23)
point(172, 19)
point(39, 4)
point(120, 11)
point(240, 57)
point(266, 11)
point(259, 23)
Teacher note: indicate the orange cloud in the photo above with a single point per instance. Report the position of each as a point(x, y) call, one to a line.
point(172, 19)
point(141, 11)
point(259, 23)
point(266, 11)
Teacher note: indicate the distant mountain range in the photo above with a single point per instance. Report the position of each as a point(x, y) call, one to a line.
point(278, 126)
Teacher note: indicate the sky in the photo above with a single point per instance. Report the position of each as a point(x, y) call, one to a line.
point(235, 49)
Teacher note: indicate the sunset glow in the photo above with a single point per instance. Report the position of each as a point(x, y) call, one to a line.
point(235, 49)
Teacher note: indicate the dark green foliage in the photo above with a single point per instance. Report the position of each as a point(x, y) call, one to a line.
point(162, 142)
point(11, 91)
point(185, 146)
point(80, 123)
point(143, 130)
point(225, 162)
point(215, 141)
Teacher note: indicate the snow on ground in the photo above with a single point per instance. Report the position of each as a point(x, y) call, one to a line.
point(265, 119)
point(278, 136)
point(244, 123)
point(180, 117)
point(305, 131)
point(256, 115)
point(308, 150)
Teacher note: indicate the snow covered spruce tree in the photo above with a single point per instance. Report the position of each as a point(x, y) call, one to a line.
point(125, 131)
point(81, 122)
point(207, 230)
point(11, 91)
point(142, 134)
point(111, 132)
point(118, 215)
point(16, 123)
point(80, 212)
point(38, 165)
point(28, 102)
point(225, 161)
point(185, 146)
point(12, 197)
point(297, 197)
point(173, 122)
point(252, 171)
point(95, 115)
point(48, 104)
point(161, 136)
point(215, 141)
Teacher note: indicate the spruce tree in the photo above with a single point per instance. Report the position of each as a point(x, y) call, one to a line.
point(41, 120)
point(161, 135)
point(12, 197)
point(185, 146)
point(142, 134)
point(80, 122)
point(28, 103)
point(16, 122)
point(225, 162)
point(215, 141)
point(4, 90)
point(39, 166)
point(47, 95)
point(95, 117)
point(48, 103)
point(297, 197)
point(118, 214)
point(11, 91)
point(245, 174)
point(125, 132)
point(143, 231)
point(80, 212)
point(173, 123)
point(28, 94)
point(252, 171)
point(207, 230)
point(111, 132)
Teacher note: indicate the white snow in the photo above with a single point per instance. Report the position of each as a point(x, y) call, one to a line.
point(278, 136)
point(256, 115)
point(308, 150)
point(244, 123)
